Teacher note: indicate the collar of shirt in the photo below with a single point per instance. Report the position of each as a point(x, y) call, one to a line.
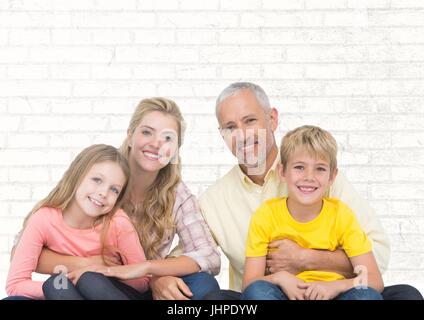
point(250, 186)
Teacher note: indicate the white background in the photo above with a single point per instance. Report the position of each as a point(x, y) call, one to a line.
point(72, 72)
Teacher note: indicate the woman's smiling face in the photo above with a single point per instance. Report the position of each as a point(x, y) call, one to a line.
point(154, 142)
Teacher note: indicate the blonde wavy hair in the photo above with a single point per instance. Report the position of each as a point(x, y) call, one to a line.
point(154, 217)
point(64, 192)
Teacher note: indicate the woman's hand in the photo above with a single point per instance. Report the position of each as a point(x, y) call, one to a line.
point(169, 288)
point(128, 272)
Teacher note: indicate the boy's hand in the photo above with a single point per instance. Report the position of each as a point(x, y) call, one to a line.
point(290, 285)
point(321, 290)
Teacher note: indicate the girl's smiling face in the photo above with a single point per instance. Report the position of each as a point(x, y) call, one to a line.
point(99, 190)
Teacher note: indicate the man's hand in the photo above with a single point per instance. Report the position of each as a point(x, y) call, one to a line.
point(169, 288)
point(286, 256)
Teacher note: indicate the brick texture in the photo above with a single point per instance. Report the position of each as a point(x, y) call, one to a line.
point(71, 73)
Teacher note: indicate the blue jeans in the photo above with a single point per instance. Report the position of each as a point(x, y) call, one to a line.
point(264, 290)
point(17, 298)
point(200, 284)
point(90, 286)
point(396, 292)
point(96, 286)
point(401, 292)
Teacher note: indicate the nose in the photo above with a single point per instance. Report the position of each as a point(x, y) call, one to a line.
point(102, 191)
point(243, 133)
point(156, 142)
point(309, 174)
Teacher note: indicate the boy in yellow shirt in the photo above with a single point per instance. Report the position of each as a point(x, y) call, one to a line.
point(309, 167)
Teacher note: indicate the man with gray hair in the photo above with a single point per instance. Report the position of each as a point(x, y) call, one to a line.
point(247, 123)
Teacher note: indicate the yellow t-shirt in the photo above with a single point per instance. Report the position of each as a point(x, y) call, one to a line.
point(335, 227)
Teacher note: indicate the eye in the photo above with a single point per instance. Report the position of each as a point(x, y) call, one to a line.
point(251, 120)
point(145, 132)
point(169, 138)
point(115, 190)
point(97, 180)
point(230, 128)
point(322, 169)
point(299, 167)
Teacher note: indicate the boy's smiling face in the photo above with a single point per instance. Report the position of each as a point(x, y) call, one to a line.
point(308, 178)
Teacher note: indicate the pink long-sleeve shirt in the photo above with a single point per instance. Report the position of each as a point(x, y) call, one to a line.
point(46, 228)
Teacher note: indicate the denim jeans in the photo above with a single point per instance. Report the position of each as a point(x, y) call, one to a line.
point(90, 286)
point(200, 284)
point(396, 292)
point(17, 298)
point(264, 290)
point(96, 286)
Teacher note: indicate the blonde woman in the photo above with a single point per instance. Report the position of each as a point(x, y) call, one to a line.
point(160, 206)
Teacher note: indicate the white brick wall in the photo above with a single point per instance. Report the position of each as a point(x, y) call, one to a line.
point(71, 73)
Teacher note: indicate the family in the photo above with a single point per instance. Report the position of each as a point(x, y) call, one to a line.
point(291, 225)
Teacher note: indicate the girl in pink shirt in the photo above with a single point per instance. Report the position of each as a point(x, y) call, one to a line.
point(81, 217)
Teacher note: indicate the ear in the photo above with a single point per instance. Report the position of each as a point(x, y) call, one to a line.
point(334, 175)
point(129, 136)
point(221, 132)
point(273, 117)
point(280, 171)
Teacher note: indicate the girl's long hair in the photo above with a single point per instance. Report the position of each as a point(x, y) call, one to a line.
point(154, 217)
point(64, 192)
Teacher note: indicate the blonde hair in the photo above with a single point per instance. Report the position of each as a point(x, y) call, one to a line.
point(316, 141)
point(155, 215)
point(64, 192)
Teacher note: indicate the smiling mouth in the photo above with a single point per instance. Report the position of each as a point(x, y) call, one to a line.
point(305, 189)
point(151, 156)
point(248, 147)
point(96, 203)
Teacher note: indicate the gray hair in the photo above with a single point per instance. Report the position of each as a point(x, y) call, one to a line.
point(236, 87)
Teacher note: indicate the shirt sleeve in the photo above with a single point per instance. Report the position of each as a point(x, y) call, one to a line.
point(25, 260)
point(367, 218)
point(130, 249)
point(195, 236)
point(353, 240)
point(259, 234)
point(16, 238)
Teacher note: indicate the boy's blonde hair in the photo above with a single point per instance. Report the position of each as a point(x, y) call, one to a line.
point(314, 140)
point(154, 218)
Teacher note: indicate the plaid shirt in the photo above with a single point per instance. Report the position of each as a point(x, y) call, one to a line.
point(194, 235)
